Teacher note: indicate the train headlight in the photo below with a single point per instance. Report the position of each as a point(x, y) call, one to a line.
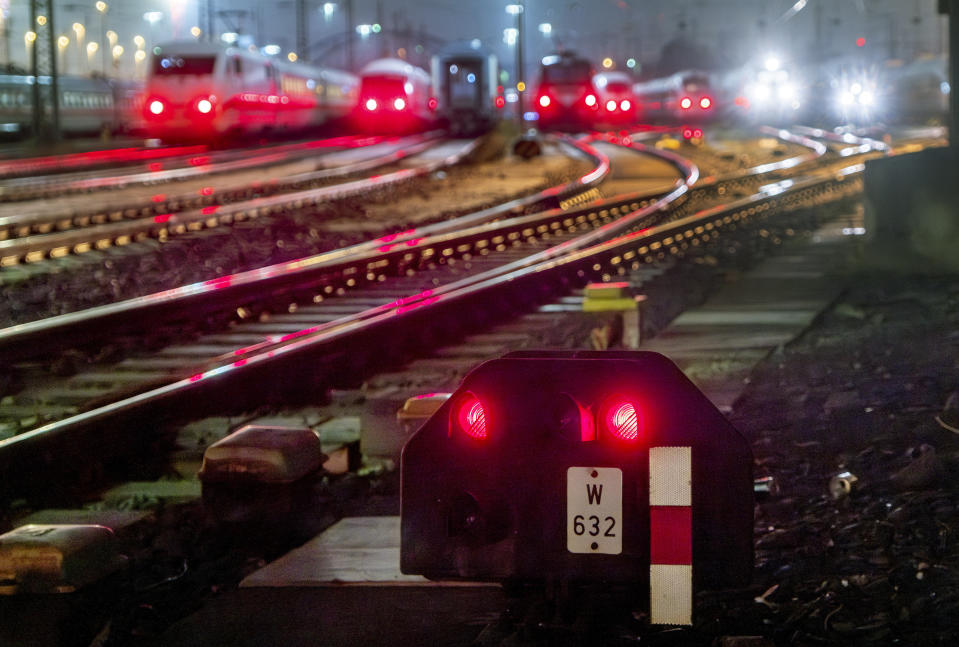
point(686, 103)
point(204, 106)
point(157, 107)
point(544, 101)
point(399, 103)
point(590, 100)
point(846, 98)
point(787, 92)
point(625, 105)
point(610, 105)
point(867, 98)
point(705, 103)
point(371, 104)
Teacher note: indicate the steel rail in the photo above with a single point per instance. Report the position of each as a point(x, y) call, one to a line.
point(547, 274)
point(46, 220)
point(41, 336)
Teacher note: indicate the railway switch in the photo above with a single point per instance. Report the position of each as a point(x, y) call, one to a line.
point(580, 467)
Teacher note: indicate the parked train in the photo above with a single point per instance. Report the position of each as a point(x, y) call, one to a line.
point(86, 105)
point(616, 99)
point(684, 97)
point(465, 89)
point(566, 96)
point(395, 96)
point(205, 91)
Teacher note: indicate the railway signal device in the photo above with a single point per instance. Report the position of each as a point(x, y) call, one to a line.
point(580, 467)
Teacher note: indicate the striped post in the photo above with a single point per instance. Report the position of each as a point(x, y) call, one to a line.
point(670, 535)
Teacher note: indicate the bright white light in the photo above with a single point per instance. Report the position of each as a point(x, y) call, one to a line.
point(476, 43)
point(364, 30)
point(590, 100)
point(514, 9)
point(153, 17)
point(867, 98)
point(544, 101)
point(271, 50)
point(610, 105)
point(761, 92)
point(399, 103)
point(545, 28)
point(787, 92)
point(204, 106)
point(156, 106)
point(512, 96)
point(471, 78)
point(510, 34)
point(328, 9)
point(856, 88)
point(371, 104)
point(944, 87)
point(630, 63)
point(772, 63)
point(846, 98)
point(625, 105)
point(454, 68)
point(229, 37)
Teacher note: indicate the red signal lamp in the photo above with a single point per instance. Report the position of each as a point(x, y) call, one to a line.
point(470, 417)
point(623, 420)
point(686, 103)
point(705, 103)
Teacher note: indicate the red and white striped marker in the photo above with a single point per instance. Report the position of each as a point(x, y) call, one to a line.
point(670, 536)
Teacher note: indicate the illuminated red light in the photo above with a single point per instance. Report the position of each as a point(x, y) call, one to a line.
point(687, 133)
point(705, 103)
point(471, 418)
point(155, 166)
point(432, 103)
point(622, 420)
point(686, 103)
point(156, 107)
point(371, 104)
point(207, 190)
point(399, 103)
point(544, 101)
point(860, 42)
point(500, 102)
point(697, 133)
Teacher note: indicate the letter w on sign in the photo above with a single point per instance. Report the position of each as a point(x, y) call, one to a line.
point(594, 510)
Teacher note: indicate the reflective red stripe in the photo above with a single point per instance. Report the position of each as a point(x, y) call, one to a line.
point(670, 534)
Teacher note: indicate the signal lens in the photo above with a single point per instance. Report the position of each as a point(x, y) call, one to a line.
point(705, 103)
point(471, 417)
point(399, 103)
point(500, 102)
point(544, 101)
point(371, 104)
point(686, 103)
point(432, 103)
point(156, 107)
point(622, 420)
point(687, 133)
point(698, 133)
point(590, 100)
point(625, 105)
point(204, 106)
point(610, 106)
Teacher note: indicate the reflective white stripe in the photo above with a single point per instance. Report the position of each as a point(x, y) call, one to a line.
point(670, 476)
point(671, 594)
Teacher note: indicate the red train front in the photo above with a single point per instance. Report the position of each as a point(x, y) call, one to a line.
point(567, 97)
point(394, 97)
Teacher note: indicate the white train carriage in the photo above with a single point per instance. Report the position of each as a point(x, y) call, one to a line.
point(207, 91)
point(86, 105)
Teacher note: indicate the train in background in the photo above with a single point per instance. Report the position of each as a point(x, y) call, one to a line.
point(685, 97)
point(207, 92)
point(465, 88)
point(616, 99)
point(394, 97)
point(87, 106)
point(566, 96)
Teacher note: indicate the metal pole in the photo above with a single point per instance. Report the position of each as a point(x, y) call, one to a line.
point(950, 7)
point(301, 28)
point(349, 36)
point(520, 77)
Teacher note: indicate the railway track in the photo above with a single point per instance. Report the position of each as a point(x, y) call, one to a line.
point(31, 233)
point(411, 282)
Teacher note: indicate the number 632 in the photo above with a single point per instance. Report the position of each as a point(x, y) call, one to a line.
point(591, 526)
